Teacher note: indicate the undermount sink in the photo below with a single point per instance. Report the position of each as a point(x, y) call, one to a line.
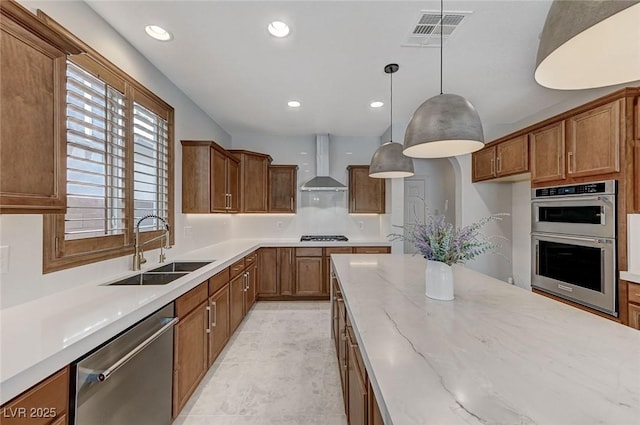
point(149, 279)
point(180, 266)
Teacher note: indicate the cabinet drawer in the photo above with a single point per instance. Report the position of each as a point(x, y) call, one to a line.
point(41, 404)
point(371, 250)
point(633, 291)
point(218, 281)
point(359, 361)
point(192, 299)
point(338, 250)
point(308, 252)
point(251, 259)
point(236, 268)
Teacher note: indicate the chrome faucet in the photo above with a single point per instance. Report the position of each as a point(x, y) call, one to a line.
point(138, 256)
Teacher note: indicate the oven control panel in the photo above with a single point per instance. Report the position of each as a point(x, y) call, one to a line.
point(576, 189)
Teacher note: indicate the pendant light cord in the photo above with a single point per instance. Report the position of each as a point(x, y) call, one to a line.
point(441, 41)
point(391, 110)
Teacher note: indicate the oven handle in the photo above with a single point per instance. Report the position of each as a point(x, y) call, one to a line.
point(105, 374)
point(602, 198)
point(571, 238)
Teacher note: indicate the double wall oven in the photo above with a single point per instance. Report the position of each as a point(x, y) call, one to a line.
point(574, 243)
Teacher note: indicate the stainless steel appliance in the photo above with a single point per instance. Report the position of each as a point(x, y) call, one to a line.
point(128, 380)
point(574, 243)
point(323, 238)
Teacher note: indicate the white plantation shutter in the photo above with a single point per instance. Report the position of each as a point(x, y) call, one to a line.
point(95, 157)
point(151, 167)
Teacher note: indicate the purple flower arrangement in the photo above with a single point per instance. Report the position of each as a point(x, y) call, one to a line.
point(438, 240)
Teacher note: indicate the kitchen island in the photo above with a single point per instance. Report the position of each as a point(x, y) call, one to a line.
point(497, 354)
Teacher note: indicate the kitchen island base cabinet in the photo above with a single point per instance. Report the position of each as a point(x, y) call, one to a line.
point(190, 361)
point(44, 404)
point(358, 405)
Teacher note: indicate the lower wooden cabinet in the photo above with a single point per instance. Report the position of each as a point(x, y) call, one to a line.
point(219, 324)
point(191, 344)
point(375, 417)
point(268, 272)
point(44, 404)
point(236, 301)
point(286, 270)
point(357, 412)
point(633, 308)
point(342, 350)
point(250, 276)
point(309, 276)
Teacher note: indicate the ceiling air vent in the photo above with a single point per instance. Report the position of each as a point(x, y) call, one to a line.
point(426, 31)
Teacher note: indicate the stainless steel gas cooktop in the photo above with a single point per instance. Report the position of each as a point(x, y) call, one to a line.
point(323, 238)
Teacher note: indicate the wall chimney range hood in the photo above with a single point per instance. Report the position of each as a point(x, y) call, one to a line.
point(322, 182)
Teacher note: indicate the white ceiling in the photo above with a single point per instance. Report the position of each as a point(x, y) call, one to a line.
point(223, 58)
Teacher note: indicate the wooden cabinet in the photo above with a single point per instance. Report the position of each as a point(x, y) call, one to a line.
point(209, 178)
point(286, 270)
point(547, 153)
point(33, 131)
point(507, 158)
point(372, 250)
point(633, 308)
point(253, 180)
point(236, 301)
point(342, 349)
point(366, 195)
point(309, 272)
point(191, 344)
point(219, 325)
point(593, 141)
point(375, 417)
point(358, 405)
point(268, 274)
point(43, 404)
point(327, 264)
point(283, 188)
point(250, 279)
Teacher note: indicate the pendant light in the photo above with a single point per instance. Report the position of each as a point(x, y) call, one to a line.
point(388, 160)
point(588, 44)
point(444, 125)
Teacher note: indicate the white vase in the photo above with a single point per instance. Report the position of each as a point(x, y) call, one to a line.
point(438, 281)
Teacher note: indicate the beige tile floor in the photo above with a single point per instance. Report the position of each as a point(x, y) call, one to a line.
point(278, 368)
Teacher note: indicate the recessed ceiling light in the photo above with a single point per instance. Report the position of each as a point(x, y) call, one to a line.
point(293, 104)
point(158, 33)
point(278, 29)
point(377, 104)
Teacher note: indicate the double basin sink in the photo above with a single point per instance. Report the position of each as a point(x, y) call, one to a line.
point(163, 274)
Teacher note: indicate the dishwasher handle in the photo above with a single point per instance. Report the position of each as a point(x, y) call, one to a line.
point(169, 322)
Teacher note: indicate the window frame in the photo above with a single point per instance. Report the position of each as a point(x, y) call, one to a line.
point(60, 254)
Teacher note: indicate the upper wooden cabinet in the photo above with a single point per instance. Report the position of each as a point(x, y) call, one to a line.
point(32, 94)
point(210, 178)
point(366, 195)
point(593, 141)
point(547, 153)
point(283, 188)
point(507, 158)
point(253, 180)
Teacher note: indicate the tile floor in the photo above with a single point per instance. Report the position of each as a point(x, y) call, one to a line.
point(278, 368)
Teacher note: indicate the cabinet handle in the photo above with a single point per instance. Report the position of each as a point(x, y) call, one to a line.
point(214, 314)
point(231, 201)
point(493, 166)
point(208, 319)
point(570, 162)
point(291, 203)
point(290, 251)
point(499, 160)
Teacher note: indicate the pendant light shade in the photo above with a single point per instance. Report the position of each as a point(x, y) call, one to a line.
point(388, 162)
point(444, 125)
point(588, 44)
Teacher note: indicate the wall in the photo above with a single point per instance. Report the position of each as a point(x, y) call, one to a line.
point(23, 233)
point(317, 212)
point(521, 233)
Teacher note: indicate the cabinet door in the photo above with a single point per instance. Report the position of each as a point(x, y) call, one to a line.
point(366, 195)
point(372, 250)
point(233, 186)
point(219, 305)
point(343, 349)
point(236, 302)
point(254, 183)
point(593, 141)
point(335, 326)
point(282, 188)
point(286, 270)
point(219, 198)
point(634, 316)
point(484, 164)
point(196, 182)
point(375, 417)
point(512, 156)
point(358, 403)
point(189, 355)
point(250, 287)
point(32, 134)
point(547, 153)
point(268, 276)
point(309, 276)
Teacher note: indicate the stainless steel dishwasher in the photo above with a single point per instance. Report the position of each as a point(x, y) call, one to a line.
point(128, 380)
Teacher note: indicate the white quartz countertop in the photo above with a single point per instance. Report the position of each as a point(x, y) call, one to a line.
point(630, 276)
point(497, 354)
point(39, 337)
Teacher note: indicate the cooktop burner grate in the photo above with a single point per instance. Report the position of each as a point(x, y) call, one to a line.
point(323, 238)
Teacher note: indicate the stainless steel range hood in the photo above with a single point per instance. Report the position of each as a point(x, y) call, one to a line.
point(322, 181)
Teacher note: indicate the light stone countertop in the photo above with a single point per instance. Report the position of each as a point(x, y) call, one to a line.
point(630, 276)
point(44, 335)
point(497, 354)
